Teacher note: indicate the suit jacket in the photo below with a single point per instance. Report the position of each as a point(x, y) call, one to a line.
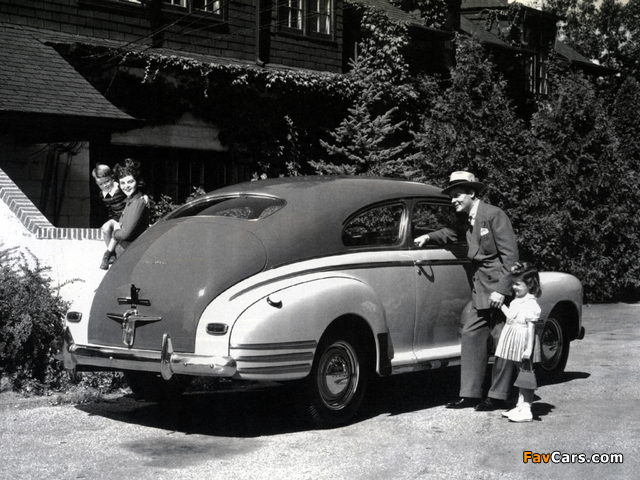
point(493, 250)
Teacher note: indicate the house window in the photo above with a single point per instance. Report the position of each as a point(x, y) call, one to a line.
point(537, 73)
point(214, 7)
point(306, 17)
point(205, 6)
point(320, 16)
point(292, 14)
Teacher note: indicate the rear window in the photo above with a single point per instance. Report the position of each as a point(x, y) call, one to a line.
point(245, 207)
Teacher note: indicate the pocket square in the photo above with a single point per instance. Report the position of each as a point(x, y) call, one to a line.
point(484, 231)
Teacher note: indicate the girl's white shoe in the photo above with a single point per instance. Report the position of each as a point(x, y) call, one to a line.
point(506, 413)
point(519, 415)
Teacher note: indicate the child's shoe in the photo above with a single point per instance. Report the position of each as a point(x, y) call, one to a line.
point(105, 260)
point(520, 415)
point(507, 413)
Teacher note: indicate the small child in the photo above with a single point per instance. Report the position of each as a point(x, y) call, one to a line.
point(115, 201)
point(517, 341)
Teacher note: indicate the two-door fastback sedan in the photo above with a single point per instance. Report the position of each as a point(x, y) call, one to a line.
point(308, 279)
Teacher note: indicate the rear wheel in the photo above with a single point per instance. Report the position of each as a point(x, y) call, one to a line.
point(554, 349)
point(338, 380)
point(152, 387)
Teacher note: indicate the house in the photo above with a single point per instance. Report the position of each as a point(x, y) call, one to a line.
point(170, 82)
point(57, 118)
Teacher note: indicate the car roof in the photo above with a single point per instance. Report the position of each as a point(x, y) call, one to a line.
point(349, 191)
point(310, 225)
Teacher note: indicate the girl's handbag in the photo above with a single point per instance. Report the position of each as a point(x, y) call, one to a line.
point(526, 377)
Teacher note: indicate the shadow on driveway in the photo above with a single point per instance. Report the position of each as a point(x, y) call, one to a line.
point(242, 409)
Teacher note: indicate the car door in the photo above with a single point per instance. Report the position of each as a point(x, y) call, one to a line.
point(443, 286)
point(375, 238)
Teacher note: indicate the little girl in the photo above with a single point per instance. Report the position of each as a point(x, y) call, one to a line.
point(517, 341)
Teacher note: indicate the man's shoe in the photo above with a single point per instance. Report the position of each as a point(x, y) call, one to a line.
point(463, 403)
point(489, 405)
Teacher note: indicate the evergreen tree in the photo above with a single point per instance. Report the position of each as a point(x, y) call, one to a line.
point(590, 195)
point(370, 138)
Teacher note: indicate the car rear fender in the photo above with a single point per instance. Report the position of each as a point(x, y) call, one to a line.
point(286, 325)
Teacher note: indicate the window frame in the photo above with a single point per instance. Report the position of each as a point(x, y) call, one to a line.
point(307, 12)
point(188, 6)
point(537, 75)
point(402, 225)
point(444, 205)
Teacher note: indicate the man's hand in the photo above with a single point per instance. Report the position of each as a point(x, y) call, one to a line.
point(421, 240)
point(496, 300)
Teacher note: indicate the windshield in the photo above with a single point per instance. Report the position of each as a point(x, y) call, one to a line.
point(245, 207)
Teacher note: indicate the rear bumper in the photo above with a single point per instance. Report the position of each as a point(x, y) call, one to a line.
point(165, 361)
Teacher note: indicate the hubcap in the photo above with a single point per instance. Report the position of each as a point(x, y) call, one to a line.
point(552, 344)
point(338, 375)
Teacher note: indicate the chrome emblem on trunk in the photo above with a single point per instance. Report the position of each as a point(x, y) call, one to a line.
point(129, 318)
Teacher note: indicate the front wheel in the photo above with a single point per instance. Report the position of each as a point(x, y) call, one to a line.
point(554, 349)
point(338, 380)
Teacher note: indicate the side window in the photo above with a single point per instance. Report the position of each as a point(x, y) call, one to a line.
point(429, 217)
point(377, 226)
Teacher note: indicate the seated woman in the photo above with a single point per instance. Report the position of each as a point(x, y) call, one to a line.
point(135, 217)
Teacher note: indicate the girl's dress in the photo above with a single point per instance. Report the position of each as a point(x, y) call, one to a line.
point(513, 339)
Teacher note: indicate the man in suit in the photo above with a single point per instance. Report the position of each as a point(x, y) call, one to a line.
point(493, 251)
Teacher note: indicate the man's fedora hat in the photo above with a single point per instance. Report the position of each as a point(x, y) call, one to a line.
point(463, 179)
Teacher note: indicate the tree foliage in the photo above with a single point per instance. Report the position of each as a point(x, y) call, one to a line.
point(606, 31)
point(432, 13)
point(590, 195)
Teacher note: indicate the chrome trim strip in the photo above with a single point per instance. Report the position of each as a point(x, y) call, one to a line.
point(305, 368)
point(441, 262)
point(305, 344)
point(430, 365)
point(286, 357)
point(351, 266)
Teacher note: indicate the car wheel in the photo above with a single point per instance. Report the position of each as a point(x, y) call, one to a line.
point(338, 380)
point(152, 387)
point(554, 349)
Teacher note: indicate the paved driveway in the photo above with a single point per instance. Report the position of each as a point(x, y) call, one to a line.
point(404, 433)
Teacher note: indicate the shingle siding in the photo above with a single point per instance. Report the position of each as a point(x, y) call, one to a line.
point(122, 22)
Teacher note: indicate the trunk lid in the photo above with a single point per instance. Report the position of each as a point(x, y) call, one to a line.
point(178, 267)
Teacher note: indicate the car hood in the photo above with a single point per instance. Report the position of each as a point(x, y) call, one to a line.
point(179, 267)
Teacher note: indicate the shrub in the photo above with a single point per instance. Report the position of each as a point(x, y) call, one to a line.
point(31, 319)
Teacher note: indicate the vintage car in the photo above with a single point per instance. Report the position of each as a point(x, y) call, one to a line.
point(309, 279)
